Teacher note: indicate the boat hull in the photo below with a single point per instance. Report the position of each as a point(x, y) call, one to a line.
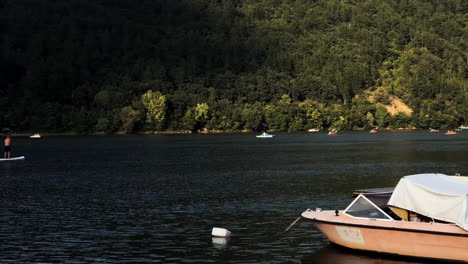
point(415, 239)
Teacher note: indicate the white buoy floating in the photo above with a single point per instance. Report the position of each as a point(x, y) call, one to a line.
point(220, 232)
point(220, 237)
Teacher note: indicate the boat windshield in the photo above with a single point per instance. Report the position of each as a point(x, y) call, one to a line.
point(362, 207)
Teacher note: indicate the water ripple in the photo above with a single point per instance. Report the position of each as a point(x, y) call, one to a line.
point(87, 200)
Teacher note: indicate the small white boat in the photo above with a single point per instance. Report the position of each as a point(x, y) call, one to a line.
point(35, 135)
point(265, 135)
point(313, 130)
point(13, 158)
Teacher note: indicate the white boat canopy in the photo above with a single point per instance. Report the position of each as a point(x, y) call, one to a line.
point(434, 195)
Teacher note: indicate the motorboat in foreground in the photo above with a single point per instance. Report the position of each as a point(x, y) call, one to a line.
point(425, 216)
point(332, 133)
point(265, 135)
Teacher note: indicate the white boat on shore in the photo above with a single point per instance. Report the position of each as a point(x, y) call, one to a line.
point(425, 216)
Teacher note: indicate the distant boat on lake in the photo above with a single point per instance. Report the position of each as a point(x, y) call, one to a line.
point(313, 130)
point(373, 130)
point(265, 135)
point(332, 133)
point(450, 132)
point(35, 135)
point(433, 130)
point(464, 127)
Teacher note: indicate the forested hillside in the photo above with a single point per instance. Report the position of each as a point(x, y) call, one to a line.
point(286, 65)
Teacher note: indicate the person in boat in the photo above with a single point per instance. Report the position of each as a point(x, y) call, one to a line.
point(7, 143)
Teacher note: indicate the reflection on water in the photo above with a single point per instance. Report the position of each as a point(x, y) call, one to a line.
point(155, 199)
point(220, 242)
point(334, 254)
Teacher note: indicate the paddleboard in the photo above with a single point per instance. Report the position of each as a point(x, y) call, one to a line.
point(13, 158)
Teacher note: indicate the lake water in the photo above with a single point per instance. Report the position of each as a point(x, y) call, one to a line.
point(155, 199)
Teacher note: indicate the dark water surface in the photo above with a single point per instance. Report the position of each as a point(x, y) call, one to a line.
point(155, 199)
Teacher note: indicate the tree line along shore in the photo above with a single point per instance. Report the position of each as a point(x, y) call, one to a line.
point(232, 65)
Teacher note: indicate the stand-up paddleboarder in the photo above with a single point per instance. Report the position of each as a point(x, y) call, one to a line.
point(7, 143)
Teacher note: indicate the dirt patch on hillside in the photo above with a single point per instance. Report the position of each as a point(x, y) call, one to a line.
point(394, 105)
point(397, 106)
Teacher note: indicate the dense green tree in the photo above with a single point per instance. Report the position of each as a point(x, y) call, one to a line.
point(313, 115)
point(201, 114)
point(382, 117)
point(156, 105)
point(254, 117)
point(129, 117)
point(277, 64)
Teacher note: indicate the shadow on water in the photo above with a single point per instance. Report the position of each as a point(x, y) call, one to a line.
point(334, 254)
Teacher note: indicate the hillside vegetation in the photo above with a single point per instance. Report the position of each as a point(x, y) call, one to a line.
point(286, 65)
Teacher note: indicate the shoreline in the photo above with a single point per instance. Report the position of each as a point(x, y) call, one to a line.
point(186, 132)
